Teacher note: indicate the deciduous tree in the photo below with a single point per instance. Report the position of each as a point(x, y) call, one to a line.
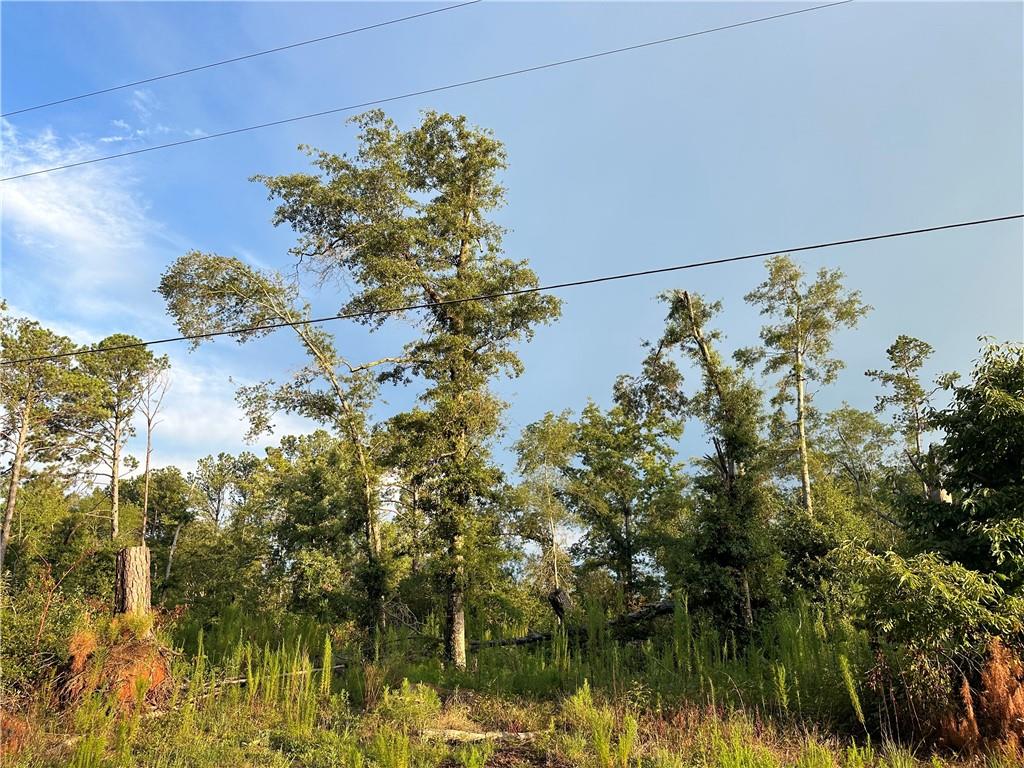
point(404, 222)
point(798, 345)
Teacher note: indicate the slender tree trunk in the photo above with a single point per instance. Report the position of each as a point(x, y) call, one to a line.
point(414, 524)
point(131, 581)
point(629, 558)
point(801, 425)
point(354, 427)
point(376, 582)
point(145, 486)
point(12, 490)
point(115, 482)
point(170, 557)
point(554, 552)
point(455, 636)
point(748, 609)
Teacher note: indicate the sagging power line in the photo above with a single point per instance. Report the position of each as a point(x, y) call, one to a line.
point(234, 59)
point(521, 291)
point(424, 92)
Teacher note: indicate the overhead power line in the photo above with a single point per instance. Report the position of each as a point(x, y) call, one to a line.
point(521, 291)
point(234, 59)
point(425, 91)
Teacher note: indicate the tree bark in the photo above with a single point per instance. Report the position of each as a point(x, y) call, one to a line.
point(455, 631)
point(131, 581)
point(12, 490)
point(554, 546)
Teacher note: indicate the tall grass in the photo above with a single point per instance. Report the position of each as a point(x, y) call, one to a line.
point(290, 697)
point(804, 665)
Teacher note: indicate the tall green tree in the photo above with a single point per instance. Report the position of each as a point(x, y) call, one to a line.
point(312, 485)
point(206, 293)
point(41, 411)
point(542, 452)
point(853, 447)
point(120, 376)
point(729, 541)
point(909, 401)
point(405, 222)
point(799, 343)
point(624, 483)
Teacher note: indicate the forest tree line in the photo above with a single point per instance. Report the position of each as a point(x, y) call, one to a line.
point(906, 518)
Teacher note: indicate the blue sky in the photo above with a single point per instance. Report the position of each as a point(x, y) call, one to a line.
point(853, 120)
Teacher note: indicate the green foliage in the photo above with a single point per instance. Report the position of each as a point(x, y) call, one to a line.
point(45, 407)
point(729, 564)
point(933, 617)
point(405, 220)
point(735, 747)
point(907, 397)
point(542, 451)
point(983, 463)
point(859, 613)
point(623, 486)
point(808, 317)
point(798, 346)
point(38, 621)
point(119, 375)
point(475, 755)
point(411, 706)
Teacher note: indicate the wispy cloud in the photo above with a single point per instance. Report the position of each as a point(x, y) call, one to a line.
point(144, 103)
point(82, 253)
point(82, 239)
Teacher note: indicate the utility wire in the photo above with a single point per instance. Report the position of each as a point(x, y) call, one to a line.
point(425, 91)
point(222, 62)
point(520, 291)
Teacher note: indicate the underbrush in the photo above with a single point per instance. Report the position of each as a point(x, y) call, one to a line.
point(694, 701)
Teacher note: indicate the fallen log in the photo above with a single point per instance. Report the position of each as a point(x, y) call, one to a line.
point(452, 735)
point(621, 626)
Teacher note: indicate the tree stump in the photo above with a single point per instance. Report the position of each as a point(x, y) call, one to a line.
point(131, 581)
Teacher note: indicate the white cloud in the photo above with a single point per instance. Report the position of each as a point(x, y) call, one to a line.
point(77, 234)
point(82, 255)
point(145, 103)
point(199, 416)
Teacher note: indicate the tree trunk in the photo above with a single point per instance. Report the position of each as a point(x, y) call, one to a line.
point(131, 581)
point(375, 576)
point(628, 541)
point(115, 481)
point(145, 487)
point(455, 632)
point(12, 490)
point(748, 609)
point(805, 472)
point(170, 558)
point(554, 550)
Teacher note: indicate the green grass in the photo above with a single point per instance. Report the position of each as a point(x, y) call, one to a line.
point(688, 698)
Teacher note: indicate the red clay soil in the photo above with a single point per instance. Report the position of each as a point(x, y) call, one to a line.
point(122, 669)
